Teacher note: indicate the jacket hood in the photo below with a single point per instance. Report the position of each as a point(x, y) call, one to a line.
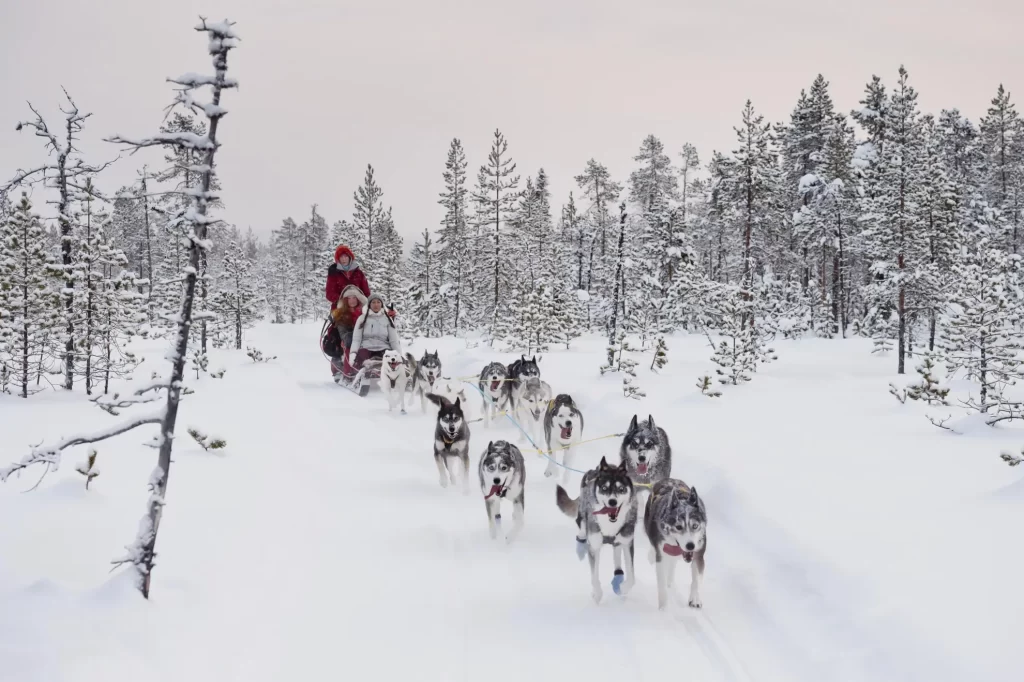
point(343, 251)
point(352, 290)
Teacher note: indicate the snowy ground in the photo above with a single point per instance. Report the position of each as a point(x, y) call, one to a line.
point(849, 539)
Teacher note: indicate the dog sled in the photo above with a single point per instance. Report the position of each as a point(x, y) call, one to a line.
point(333, 349)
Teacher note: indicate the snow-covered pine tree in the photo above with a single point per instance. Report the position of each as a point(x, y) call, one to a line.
point(454, 252)
point(599, 194)
point(980, 337)
point(495, 198)
point(367, 220)
point(894, 239)
point(239, 299)
point(388, 282)
point(30, 303)
point(1002, 146)
point(67, 170)
point(929, 387)
point(752, 188)
point(426, 309)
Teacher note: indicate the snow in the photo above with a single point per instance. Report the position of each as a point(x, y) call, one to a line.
point(849, 538)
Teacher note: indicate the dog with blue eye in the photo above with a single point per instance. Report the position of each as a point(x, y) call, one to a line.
point(676, 524)
point(605, 514)
point(502, 472)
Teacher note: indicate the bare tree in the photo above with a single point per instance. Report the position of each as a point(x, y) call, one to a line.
point(141, 552)
point(66, 173)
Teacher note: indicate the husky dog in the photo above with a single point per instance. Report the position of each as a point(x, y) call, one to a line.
point(453, 389)
point(451, 441)
point(677, 526)
point(395, 375)
point(521, 370)
point(531, 405)
point(503, 475)
point(426, 371)
point(646, 452)
point(605, 514)
point(563, 428)
point(497, 390)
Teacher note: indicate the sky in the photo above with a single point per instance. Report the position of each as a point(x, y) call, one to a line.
point(329, 86)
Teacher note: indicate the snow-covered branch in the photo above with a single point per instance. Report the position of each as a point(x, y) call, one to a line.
point(50, 454)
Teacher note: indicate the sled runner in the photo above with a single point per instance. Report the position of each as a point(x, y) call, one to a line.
point(362, 380)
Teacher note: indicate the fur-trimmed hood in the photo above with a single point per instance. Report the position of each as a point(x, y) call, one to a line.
point(352, 290)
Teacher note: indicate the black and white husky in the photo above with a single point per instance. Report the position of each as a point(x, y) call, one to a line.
point(497, 390)
point(395, 375)
point(425, 373)
point(646, 452)
point(676, 524)
point(503, 477)
point(521, 370)
point(451, 441)
point(531, 404)
point(563, 429)
point(605, 514)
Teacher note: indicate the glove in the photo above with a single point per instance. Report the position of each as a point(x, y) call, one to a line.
point(392, 312)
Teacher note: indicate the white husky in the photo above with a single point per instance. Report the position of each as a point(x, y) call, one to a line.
point(531, 404)
point(395, 375)
point(452, 389)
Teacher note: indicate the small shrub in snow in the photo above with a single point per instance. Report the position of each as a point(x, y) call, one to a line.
point(1012, 459)
point(704, 383)
point(207, 442)
point(257, 355)
point(88, 468)
point(928, 388)
point(660, 354)
point(200, 362)
point(899, 393)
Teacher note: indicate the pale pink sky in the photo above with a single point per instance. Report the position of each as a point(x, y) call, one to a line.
point(330, 85)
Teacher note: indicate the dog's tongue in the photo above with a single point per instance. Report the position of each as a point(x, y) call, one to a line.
point(567, 431)
point(641, 468)
point(672, 549)
point(495, 490)
point(495, 385)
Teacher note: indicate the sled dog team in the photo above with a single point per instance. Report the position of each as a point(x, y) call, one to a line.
point(606, 510)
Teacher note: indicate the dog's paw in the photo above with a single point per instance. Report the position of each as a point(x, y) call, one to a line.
point(696, 603)
point(617, 583)
point(444, 481)
point(596, 594)
point(581, 548)
point(550, 471)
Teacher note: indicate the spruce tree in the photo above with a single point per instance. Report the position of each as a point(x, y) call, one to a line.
point(454, 254)
point(29, 298)
point(495, 197)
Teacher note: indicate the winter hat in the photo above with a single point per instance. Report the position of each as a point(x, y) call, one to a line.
point(343, 251)
point(352, 290)
point(374, 297)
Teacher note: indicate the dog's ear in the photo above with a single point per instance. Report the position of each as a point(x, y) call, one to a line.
point(534, 359)
point(632, 424)
point(489, 446)
point(458, 404)
point(650, 422)
point(604, 464)
point(693, 499)
point(622, 466)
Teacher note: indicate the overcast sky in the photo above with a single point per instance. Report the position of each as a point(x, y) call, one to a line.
point(328, 86)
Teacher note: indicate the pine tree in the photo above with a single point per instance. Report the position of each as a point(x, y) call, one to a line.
point(238, 300)
point(367, 220)
point(1002, 144)
point(454, 249)
point(495, 198)
point(26, 294)
point(980, 337)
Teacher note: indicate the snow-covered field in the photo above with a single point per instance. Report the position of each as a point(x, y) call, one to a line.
point(849, 538)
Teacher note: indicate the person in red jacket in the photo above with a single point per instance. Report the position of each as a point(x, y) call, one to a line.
point(343, 273)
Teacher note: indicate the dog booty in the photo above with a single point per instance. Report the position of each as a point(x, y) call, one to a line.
point(617, 580)
point(581, 548)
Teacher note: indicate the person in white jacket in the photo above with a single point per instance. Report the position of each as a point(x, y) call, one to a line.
point(374, 333)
